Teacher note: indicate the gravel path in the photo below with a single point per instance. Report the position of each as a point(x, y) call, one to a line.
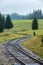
point(3, 59)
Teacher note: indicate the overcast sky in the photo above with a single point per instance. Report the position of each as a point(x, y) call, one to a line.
point(20, 6)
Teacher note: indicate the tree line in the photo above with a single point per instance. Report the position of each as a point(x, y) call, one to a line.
point(5, 23)
point(36, 13)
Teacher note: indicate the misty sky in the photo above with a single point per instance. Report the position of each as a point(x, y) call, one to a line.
point(20, 6)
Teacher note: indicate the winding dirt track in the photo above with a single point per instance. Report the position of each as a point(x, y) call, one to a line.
point(17, 55)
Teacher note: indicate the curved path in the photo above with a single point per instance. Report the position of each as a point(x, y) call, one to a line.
point(13, 50)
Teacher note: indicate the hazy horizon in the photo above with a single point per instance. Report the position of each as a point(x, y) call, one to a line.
point(21, 7)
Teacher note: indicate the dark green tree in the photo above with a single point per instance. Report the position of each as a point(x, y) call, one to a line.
point(35, 24)
point(1, 24)
point(3, 19)
point(8, 24)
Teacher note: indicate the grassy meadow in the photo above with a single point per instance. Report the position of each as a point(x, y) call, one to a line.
point(20, 27)
point(35, 45)
point(24, 27)
point(7, 35)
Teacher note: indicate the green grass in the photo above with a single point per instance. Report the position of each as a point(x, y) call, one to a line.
point(25, 24)
point(20, 27)
point(35, 45)
point(8, 36)
point(38, 32)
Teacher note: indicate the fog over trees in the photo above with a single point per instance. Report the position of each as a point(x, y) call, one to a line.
point(36, 13)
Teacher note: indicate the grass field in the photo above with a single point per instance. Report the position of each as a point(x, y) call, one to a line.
point(35, 45)
point(20, 27)
point(24, 27)
point(8, 36)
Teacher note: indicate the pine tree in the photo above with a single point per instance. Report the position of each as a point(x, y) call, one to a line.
point(1, 24)
point(8, 24)
point(3, 19)
point(35, 24)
